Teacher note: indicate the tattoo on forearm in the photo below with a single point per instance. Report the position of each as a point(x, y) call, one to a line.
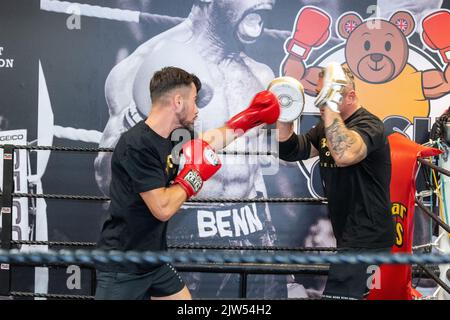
point(339, 139)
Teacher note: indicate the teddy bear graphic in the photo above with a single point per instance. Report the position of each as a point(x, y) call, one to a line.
point(376, 51)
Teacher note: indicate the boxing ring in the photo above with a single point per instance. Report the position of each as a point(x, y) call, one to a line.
point(243, 260)
point(433, 262)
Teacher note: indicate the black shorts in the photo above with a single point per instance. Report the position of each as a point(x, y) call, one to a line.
point(161, 282)
point(351, 281)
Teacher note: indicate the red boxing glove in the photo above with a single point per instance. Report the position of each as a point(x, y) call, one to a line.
point(201, 164)
point(434, 34)
point(264, 108)
point(312, 30)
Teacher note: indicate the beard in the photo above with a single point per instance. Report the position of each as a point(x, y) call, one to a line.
point(185, 120)
point(187, 124)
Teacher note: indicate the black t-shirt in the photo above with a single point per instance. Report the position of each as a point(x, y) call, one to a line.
point(358, 195)
point(141, 162)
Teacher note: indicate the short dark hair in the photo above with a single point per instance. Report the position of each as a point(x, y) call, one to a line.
point(169, 78)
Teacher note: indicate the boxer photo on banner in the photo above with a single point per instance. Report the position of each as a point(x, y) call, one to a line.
point(77, 73)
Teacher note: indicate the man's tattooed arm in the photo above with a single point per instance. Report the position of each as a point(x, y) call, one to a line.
point(346, 146)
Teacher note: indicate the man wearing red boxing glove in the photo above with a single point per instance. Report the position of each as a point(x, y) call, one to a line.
point(146, 190)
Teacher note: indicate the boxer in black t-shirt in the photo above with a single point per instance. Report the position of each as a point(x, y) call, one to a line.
point(355, 168)
point(147, 189)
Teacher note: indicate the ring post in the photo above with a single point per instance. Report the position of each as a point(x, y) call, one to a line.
point(6, 213)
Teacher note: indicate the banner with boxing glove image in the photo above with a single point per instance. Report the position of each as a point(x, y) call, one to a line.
point(400, 63)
